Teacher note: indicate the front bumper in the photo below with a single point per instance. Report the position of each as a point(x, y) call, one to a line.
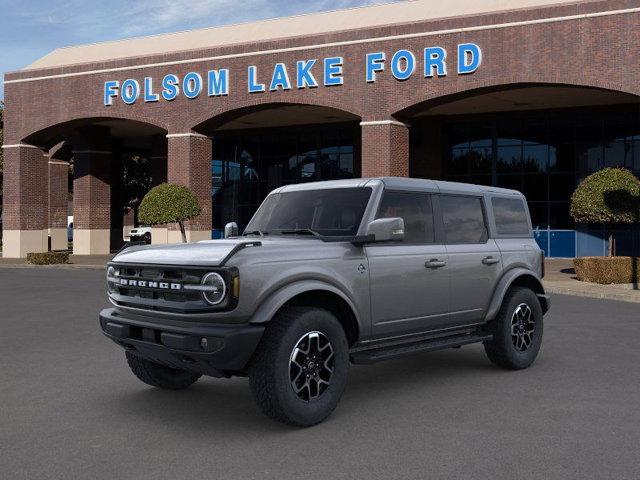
point(215, 350)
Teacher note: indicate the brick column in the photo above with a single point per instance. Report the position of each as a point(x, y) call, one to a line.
point(189, 164)
point(58, 191)
point(385, 149)
point(92, 192)
point(159, 233)
point(25, 211)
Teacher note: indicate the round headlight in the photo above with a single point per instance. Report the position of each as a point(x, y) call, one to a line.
point(111, 273)
point(216, 289)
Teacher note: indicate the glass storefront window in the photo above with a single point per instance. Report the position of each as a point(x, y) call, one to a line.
point(544, 154)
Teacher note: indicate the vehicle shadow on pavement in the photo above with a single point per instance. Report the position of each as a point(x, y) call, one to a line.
point(228, 403)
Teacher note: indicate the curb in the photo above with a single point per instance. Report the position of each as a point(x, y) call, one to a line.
point(64, 266)
point(622, 297)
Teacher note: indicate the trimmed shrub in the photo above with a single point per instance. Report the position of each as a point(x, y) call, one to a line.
point(169, 203)
point(48, 258)
point(607, 270)
point(610, 195)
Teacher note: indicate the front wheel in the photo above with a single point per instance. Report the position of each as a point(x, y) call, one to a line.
point(299, 370)
point(517, 330)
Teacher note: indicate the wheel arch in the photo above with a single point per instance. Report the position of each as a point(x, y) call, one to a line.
point(313, 294)
point(517, 277)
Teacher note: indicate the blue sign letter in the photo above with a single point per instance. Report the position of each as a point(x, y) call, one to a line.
point(280, 78)
point(130, 91)
point(253, 86)
point(110, 92)
point(304, 77)
point(434, 57)
point(469, 58)
point(170, 86)
point(333, 71)
point(375, 63)
point(398, 70)
point(192, 84)
point(218, 82)
point(149, 96)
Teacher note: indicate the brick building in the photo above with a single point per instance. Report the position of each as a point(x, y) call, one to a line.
point(527, 94)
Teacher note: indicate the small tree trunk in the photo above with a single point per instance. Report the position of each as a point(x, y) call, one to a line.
point(610, 249)
point(184, 235)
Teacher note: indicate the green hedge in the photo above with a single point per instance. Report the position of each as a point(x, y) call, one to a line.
point(607, 270)
point(168, 203)
point(48, 258)
point(611, 195)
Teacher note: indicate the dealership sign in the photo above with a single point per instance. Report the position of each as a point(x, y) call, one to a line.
point(309, 73)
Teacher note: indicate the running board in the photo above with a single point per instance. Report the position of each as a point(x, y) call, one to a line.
point(387, 353)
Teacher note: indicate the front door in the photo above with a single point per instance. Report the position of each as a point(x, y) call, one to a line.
point(409, 280)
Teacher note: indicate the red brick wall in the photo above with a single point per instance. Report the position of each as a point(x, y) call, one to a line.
point(58, 188)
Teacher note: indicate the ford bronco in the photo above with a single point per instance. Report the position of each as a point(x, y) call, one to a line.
point(327, 274)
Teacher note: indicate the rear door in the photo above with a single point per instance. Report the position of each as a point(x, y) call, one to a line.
point(409, 280)
point(475, 264)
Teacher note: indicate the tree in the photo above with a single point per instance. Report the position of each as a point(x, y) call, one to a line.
point(611, 195)
point(136, 181)
point(169, 203)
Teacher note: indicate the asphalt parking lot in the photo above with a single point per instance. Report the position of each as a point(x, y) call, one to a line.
point(70, 408)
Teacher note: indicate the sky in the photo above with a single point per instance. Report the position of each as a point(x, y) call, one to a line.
point(29, 29)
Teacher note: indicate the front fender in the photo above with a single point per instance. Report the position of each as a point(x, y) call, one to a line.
point(278, 298)
point(508, 278)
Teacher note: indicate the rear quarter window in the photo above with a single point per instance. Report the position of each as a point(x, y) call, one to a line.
point(510, 216)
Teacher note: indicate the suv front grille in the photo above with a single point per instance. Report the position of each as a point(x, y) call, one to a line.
point(154, 287)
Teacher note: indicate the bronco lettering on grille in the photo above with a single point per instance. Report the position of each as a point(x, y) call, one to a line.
point(150, 284)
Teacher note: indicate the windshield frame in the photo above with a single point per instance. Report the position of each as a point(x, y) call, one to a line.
point(271, 201)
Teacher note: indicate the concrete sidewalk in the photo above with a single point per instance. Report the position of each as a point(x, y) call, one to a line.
point(92, 262)
point(560, 277)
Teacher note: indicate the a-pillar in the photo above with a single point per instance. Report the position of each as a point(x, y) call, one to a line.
point(189, 164)
point(385, 148)
point(159, 233)
point(25, 211)
point(58, 192)
point(92, 192)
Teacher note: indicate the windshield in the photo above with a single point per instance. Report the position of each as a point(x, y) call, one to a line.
point(326, 212)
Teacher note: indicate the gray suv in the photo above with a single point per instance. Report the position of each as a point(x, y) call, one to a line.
point(332, 273)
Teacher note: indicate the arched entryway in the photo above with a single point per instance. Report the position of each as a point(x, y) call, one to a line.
point(260, 148)
point(92, 171)
point(537, 138)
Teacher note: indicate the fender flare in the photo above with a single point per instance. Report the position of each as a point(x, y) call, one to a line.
point(279, 297)
point(508, 278)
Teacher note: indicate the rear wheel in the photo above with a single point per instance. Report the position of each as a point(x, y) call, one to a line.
point(299, 370)
point(517, 330)
point(158, 375)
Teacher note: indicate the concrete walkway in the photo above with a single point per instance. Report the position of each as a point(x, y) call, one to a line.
point(560, 278)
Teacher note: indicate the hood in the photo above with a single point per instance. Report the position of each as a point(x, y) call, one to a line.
point(212, 252)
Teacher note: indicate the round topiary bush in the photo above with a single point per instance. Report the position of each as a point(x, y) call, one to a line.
point(169, 203)
point(611, 195)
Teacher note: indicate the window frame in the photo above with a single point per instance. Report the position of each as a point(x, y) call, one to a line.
point(485, 217)
point(494, 225)
point(435, 213)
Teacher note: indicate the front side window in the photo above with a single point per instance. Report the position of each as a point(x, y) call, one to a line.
point(511, 216)
point(328, 212)
point(415, 210)
point(463, 219)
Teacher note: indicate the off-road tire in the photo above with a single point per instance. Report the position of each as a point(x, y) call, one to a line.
point(269, 368)
point(501, 350)
point(158, 375)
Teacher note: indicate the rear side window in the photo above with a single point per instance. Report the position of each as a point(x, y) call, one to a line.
point(463, 219)
point(511, 216)
point(415, 210)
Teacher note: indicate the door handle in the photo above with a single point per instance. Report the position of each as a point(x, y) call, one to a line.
point(490, 260)
point(434, 263)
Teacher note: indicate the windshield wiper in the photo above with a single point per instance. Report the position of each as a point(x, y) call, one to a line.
point(260, 233)
point(300, 231)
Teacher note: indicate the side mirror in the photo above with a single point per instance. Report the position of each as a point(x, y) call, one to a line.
point(386, 230)
point(231, 230)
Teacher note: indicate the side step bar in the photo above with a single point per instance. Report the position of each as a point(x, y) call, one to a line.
point(381, 353)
